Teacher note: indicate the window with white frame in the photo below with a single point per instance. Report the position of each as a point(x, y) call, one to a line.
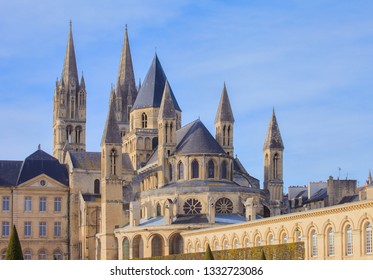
point(5, 229)
point(284, 238)
point(314, 250)
point(57, 229)
point(27, 203)
point(330, 242)
point(236, 245)
point(42, 255)
point(270, 239)
point(57, 255)
point(42, 229)
point(57, 204)
point(42, 204)
point(349, 245)
point(27, 255)
point(6, 203)
point(27, 229)
point(247, 242)
point(368, 239)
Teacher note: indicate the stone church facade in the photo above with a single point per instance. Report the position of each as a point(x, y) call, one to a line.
point(155, 180)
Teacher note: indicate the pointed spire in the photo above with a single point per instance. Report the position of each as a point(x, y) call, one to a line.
point(167, 108)
point(370, 180)
point(224, 112)
point(126, 76)
point(111, 133)
point(82, 82)
point(70, 70)
point(273, 137)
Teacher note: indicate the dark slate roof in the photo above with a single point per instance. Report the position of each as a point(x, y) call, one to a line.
point(273, 137)
point(237, 166)
point(303, 193)
point(319, 195)
point(224, 112)
point(111, 131)
point(92, 160)
point(89, 197)
point(167, 109)
point(9, 170)
point(349, 199)
point(151, 91)
point(42, 163)
point(190, 219)
point(195, 138)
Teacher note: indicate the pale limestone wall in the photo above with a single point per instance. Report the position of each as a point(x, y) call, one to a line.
point(17, 214)
point(247, 234)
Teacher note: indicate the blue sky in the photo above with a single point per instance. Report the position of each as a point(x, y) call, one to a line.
point(310, 60)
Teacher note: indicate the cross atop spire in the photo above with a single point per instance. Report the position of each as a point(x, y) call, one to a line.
point(273, 137)
point(70, 70)
point(224, 112)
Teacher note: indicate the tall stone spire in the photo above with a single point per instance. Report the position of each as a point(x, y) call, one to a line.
point(167, 108)
point(111, 133)
point(273, 138)
point(224, 112)
point(70, 70)
point(126, 85)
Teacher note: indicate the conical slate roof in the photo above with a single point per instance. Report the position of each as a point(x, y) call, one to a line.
point(151, 91)
point(167, 109)
point(273, 137)
point(70, 70)
point(111, 133)
point(195, 138)
point(224, 112)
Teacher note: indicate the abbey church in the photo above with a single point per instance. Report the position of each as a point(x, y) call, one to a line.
point(153, 182)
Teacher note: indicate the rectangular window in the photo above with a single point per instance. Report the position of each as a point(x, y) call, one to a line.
point(43, 204)
point(57, 229)
point(42, 229)
point(57, 204)
point(5, 229)
point(27, 203)
point(27, 229)
point(6, 204)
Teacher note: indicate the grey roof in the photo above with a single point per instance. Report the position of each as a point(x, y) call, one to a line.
point(111, 133)
point(151, 91)
point(42, 163)
point(191, 219)
point(9, 170)
point(317, 196)
point(167, 108)
point(237, 166)
point(349, 199)
point(303, 193)
point(195, 138)
point(224, 112)
point(92, 160)
point(273, 137)
point(70, 70)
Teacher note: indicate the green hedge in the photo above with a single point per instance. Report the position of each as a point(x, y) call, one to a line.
point(289, 251)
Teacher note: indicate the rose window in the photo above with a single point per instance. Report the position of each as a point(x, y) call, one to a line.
point(224, 206)
point(192, 206)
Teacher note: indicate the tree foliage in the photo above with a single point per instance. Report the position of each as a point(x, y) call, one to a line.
point(14, 250)
point(208, 253)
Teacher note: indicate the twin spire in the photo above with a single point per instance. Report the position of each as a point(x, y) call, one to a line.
point(224, 113)
point(273, 138)
point(70, 70)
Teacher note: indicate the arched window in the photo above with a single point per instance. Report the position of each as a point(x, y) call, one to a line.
point(368, 239)
point(180, 171)
point(211, 167)
point(96, 186)
point(247, 242)
point(171, 132)
point(57, 254)
point(42, 254)
point(159, 210)
point(78, 132)
point(284, 238)
point(223, 135)
point(3, 254)
point(27, 255)
point(144, 120)
point(170, 171)
point(224, 170)
point(235, 242)
point(275, 166)
point(195, 169)
point(157, 246)
point(126, 248)
point(229, 135)
point(224, 206)
point(270, 239)
point(330, 242)
point(216, 245)
point(69, 133)
point(113, 162)
point(258, 241)
point(166, 132)
point(349, 245)
point(314, 250)
point(225, 244)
